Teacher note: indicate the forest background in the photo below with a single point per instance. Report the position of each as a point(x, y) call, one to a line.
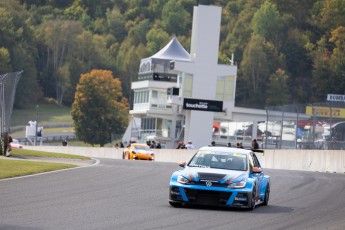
point(287, 51)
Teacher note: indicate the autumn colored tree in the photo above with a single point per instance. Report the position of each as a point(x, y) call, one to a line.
point(99, 109)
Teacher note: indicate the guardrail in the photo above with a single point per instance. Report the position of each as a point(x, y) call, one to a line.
point(332, 161)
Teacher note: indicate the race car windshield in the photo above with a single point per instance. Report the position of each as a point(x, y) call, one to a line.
point(141, 147)
point(219, 160)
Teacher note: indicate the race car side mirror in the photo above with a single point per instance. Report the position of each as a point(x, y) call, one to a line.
point(257, 170)
point(182, 164)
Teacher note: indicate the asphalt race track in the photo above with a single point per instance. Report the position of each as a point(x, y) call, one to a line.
point(119, 194)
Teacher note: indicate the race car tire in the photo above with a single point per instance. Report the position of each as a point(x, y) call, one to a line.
point(252, 199)
point(267, 195)
point(175, 204)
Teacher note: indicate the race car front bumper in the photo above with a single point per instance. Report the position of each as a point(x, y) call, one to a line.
point(212, 197)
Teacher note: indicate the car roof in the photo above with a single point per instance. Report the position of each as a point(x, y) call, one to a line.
point(225, 149)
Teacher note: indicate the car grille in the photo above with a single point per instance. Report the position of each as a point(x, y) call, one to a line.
point(211, 176)
point(206, 197)
point(214, 184)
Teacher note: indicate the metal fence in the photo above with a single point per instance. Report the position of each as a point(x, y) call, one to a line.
point(8, 84)
point(306, 126)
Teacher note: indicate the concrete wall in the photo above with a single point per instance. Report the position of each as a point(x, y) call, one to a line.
point(332, 161)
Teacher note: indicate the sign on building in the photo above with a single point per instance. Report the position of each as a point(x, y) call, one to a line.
point(325, 112)
point(169, 77)
point(202, 105)
point(335, 97)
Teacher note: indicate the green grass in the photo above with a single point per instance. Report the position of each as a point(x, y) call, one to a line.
point(45, 130)
point(47, 114)
point(35, 153)
point(14, 168)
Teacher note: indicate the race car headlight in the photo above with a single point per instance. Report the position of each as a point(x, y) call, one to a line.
point(183, 180)
point(238, 184)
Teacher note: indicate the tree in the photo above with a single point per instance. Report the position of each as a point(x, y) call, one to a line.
point(58, 39)
point(18, 50)
point(329, 65)
point(99, 109)
point(175, 19)
point(8, 30)
point(63, 82)
point(156, 39)
point(332, 14)
point(5, 61)
point(266, 22)
point(338, 60)
point(115, 24)
point(278, 90)
point(75, 11)
point(320, 75)
point(254, 70)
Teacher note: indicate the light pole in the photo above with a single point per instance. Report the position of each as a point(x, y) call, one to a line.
point(36, 124)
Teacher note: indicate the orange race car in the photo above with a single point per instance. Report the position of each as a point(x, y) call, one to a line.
point(136, 151)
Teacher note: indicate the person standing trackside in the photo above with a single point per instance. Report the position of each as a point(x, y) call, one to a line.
point(255, 144)
point(189, 145)
point(153, 144)
point(180, 145)
point(8, 147)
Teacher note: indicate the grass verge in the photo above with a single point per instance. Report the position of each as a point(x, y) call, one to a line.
point(14, 168)
point(35, 153)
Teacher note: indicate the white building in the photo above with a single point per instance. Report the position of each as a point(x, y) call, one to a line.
point(153, 116)
point(190, 96)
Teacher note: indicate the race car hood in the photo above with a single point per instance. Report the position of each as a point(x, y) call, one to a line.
point(210, 174)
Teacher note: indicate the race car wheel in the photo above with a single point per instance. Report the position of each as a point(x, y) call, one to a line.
point(252, 199)
point(175, 204)
point(267, 195)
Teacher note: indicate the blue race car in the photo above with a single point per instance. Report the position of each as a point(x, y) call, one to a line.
point(220, 176)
